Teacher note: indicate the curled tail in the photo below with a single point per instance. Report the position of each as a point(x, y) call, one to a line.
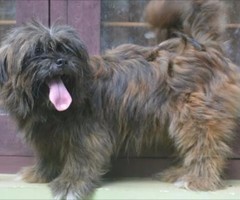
point(202, 20)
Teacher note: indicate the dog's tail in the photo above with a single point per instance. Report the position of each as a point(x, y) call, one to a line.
point(203, 20)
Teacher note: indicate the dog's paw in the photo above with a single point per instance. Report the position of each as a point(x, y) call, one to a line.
point(31, 175)
point(170, 175)
point(181, 184)
point(68, 190)
point(68, 196)
point(198, 183)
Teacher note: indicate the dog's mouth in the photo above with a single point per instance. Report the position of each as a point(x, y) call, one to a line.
point(59, 96)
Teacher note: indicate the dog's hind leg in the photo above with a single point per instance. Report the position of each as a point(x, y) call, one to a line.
point(202, 138)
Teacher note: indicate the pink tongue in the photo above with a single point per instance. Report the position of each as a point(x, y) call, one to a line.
point(58, 95)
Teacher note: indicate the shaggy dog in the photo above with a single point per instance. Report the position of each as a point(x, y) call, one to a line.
point(76, 111)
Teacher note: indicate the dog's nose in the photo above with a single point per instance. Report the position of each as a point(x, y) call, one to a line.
point(61, 62)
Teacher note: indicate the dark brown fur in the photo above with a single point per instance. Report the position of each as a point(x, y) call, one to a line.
point(128, 95)
point(200, 19)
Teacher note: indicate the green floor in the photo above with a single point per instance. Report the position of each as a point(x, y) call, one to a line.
point(118, 189)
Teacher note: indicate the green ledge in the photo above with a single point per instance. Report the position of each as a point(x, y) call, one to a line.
point(117, 189)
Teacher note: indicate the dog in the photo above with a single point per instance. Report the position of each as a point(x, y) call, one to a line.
point(76, 111)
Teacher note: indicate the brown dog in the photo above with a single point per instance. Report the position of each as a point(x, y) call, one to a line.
point(76, 111)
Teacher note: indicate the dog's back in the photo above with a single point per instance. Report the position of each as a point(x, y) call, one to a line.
point(205, 21)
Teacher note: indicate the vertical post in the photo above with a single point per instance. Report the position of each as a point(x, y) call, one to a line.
point(85, 17)
point(27, 10)
point(59, 11)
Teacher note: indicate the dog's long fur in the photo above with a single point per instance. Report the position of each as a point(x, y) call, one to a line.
point(199, 19)
point(131, 94)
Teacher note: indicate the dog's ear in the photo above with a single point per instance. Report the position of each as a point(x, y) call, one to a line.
point(3, 69)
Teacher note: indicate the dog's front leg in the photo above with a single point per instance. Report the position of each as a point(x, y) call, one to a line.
point(48, 163)
point(87, 159)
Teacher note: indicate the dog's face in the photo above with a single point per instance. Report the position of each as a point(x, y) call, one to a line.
point(43, 67)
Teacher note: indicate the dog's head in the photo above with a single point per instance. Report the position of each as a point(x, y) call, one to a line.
point(42, 67)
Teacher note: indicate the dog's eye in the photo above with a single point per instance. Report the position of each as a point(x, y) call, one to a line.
point(38, 51)
point(61, 48)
